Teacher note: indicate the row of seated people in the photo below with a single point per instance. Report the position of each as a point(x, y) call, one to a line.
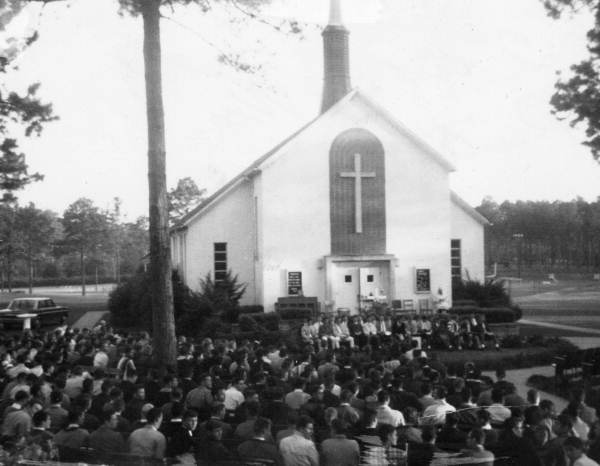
point(443, 331)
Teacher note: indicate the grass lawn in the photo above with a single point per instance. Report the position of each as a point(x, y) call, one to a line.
point(510, 358)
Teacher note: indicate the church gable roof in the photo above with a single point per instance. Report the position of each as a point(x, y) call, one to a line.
point(401, 128)
point(460, 202)
point(252, 169)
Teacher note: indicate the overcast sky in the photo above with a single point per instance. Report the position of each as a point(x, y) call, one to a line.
point(471, 77)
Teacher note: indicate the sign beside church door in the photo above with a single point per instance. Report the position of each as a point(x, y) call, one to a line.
point(422, 280)
point(294, 283)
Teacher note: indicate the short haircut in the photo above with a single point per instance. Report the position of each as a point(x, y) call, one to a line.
point(532, 395)
point(252, 408)
point(339, 426)
point(383, 396)
point(262, 425)
point(21, 396)
point(478, 435)
point(107, 414)
point(153, 415)
point(190, 413)
point(74, 416)
point(346, 395)
point(484, 415)
point(573, 442)
point(546, 404)
point(39, 418)
point(217, 409)
point(497, 395)
point(370, 416)
point(56, 396)
point(304, 421)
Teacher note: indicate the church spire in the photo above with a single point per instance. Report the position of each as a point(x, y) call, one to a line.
point(336, 58)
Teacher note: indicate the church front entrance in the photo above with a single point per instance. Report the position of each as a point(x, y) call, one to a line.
point(358, 285)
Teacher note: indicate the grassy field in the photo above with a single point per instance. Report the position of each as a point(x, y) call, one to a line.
point(569, 302)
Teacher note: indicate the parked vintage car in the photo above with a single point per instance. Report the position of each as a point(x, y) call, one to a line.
point(45, 309)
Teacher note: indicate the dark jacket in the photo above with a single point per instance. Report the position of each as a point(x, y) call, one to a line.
point(256, 448)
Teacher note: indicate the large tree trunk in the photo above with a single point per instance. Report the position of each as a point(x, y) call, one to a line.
point(160, 256)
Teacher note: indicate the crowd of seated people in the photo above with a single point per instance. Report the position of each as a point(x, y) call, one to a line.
point(94, 396)
point(441, 331)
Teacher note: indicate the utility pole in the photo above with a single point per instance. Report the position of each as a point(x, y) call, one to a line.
point(519, 238)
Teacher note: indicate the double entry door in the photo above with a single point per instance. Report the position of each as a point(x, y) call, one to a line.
point(356, 285)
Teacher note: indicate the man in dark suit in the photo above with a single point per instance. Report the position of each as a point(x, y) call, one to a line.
point(182, 439)
point(259, 446)
point(106, 439)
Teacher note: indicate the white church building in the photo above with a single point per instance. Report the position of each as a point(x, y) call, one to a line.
point(352, 208)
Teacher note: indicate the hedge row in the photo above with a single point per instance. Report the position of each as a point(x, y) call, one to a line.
point(265, 337)
point(493, 315)
point(64, 281)
point(251, 309)
point(295, 314)
point(269, 321)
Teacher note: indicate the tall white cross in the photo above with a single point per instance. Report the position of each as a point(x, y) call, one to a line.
point(358, 176)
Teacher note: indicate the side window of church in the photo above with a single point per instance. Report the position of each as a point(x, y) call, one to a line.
point(220, 261)
point(455, 260)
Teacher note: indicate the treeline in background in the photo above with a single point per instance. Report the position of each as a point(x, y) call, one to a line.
point(84, 244)
point(541, 237)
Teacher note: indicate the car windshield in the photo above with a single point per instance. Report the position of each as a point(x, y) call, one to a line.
point(22, 305)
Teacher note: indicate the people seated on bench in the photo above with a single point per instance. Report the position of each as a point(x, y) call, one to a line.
point(341, 333)
point(356, 332)
point(454, 334)
point(400, 328)
point(384, 329)
point(483, 334)
point(326, 337)
point(370, 331)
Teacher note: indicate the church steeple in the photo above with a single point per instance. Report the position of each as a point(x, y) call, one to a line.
point(336, 58)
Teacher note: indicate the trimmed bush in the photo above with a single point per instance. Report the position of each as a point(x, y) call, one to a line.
point(248, 324)
point(266, 338)
point(488, 294)
point(269, 321)
point(252, 309)
point(129, 305)
point(493, 315)
point(295, 314)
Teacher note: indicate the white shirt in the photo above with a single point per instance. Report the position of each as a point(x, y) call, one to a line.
point(584, 460)
point(101, 360)
point(435, 414)
point(233, 398)
point(498, 413)
point(387, 415)
point(297, 450)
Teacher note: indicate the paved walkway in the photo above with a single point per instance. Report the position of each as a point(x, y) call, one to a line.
point(572, 328)
point(519, 378)
point(90, 319)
